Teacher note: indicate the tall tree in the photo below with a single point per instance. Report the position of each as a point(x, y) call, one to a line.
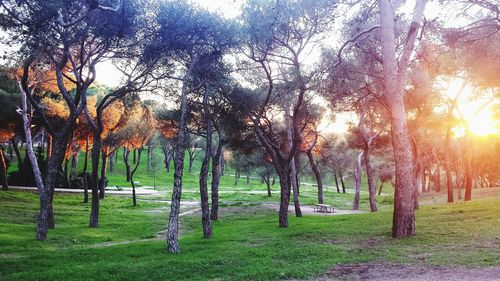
point(277, 44)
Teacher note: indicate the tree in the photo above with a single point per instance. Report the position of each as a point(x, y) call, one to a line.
point(277, 42)
point(395, 72)
point(70, 38)
point(186, 35)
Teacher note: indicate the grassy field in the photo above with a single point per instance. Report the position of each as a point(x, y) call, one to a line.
point(247, 244)
point(243, 192)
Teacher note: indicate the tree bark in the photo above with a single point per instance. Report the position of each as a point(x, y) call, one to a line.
point(112, 162)
point(205, 209)
point(336, 182)
point(468, 166)
point(74, 164)
point(126, 153)
point(394, 82)
point(357, 181)
point(85, 171)
point(216, 174)
point(284, 178)
point(293, 167)
point(342, 182)
point(191, 160)
point(102, 180)
point(17, 152)
point(449, 181)
point(137, 163)
point(41, 231)
point(317, 174)
point(173, 221)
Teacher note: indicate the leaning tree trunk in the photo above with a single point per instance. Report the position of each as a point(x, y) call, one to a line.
point(216, 174)
point(3, 170)
point(342, 182)
point(317, 174)
point(173, 220)
point(205, 209)
point(41, 231)
point(395, 73)
point(357, 181)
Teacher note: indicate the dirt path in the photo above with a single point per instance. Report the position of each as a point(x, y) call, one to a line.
point(393, 272)
point(159, 236)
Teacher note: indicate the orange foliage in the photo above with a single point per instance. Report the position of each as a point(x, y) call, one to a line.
point(7, 133)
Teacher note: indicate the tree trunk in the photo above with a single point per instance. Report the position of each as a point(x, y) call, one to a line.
point(112, 162)
point(380, 188)
point(284, 179)
point(173, 221)
point(268, 184)
point(395, 73)
point(66, 172)
point(372, 189)
point(336, 182)
point(74, 164)
point(41, 231)
point(342, 182)
point(317, 174)
point(134, 160)
point(191, 160)
point(468, 167)
point(10, 151)
point(449, 181)
point(126, 153)
point(3, 170)
point(17, 152)
point(438, 179)
point(423, 178)
point(205, 209)
point(216, 174)
point(85, 176)
point(150, 158)
point(102, 180)
point(357, 181)
point(94, 182)
point(222, 163)
point(293, 167)
point(137, 163)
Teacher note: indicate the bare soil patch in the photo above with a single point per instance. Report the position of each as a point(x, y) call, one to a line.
point(389, 271)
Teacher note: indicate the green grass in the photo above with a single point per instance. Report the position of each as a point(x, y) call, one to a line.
point(231, 193)
point(247, 244)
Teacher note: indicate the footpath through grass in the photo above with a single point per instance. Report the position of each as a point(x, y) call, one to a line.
point(247, 244)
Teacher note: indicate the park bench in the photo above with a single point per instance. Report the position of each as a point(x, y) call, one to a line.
point(323, 208)
point(137, 183)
